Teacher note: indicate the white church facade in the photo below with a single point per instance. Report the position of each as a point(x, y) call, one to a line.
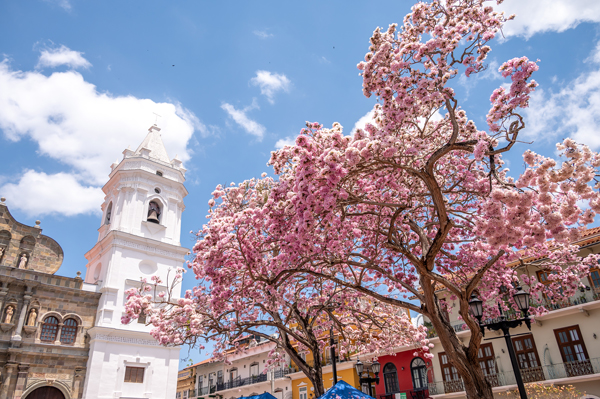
point(139, 237)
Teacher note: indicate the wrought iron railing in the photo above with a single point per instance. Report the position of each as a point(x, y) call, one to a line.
point(238, 382)
point(550, 372)
point(458, 326)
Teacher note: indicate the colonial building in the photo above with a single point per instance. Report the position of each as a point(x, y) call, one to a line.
point(562, 348)
point(186, 381)
point(139, 236)
point(243, 375)
point(44, 318)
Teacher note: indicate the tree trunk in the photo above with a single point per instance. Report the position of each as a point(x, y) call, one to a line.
point(463, 358)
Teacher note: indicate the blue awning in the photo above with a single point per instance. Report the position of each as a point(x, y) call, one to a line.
point(265, 395)
point(345, 391)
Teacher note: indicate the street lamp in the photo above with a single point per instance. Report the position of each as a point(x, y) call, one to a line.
point(334, 306)
point(374, 368)
point(521, 298)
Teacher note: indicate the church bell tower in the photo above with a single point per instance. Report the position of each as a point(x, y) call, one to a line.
point(139, 237)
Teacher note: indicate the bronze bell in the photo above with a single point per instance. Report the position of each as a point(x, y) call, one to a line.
point(153, 217)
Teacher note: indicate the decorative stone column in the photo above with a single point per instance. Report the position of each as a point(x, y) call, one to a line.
point(58, 332)
point(24, 309)
point(21, 380)
point(6, 388)
point(78, 382)
point(3, 292)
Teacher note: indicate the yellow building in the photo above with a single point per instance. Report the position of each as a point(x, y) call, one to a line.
point(302, 388)
point(186, 382)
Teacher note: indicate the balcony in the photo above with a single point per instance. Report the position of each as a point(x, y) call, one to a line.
point(239, 382)
point(458, 326)
point(552, 372)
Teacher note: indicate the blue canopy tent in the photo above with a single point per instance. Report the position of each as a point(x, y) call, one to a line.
point(265, 395)
point(344, 390)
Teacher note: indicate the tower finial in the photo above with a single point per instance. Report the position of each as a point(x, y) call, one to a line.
point(156, 118)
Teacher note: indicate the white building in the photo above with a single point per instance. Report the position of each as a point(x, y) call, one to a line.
point(244, 375)
point(139, 237)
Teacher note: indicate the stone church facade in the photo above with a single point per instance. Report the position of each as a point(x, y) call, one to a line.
point(61, 337)
point(44, 319)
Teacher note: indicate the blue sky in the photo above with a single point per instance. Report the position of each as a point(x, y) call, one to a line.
point(81, 80)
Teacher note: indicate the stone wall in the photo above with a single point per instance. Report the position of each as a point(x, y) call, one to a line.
point(21, 242)
point(44, 318)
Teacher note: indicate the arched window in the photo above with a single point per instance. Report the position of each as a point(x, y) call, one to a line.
point(418, 370)
point(108, 214)
point(154, 212)
point(390, 377)
point(68, 331)
point(49, 329)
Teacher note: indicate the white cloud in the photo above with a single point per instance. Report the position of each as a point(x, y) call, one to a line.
point(62, 56)
point(270, 83)
point(37, 193)
point(240, 117)
point(574, 111)
point(285, 141)
point(64, 4)
point(263, 34)
point(538, 16)
point(85, 130)
point(362, 122)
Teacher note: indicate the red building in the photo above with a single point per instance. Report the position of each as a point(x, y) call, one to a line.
point(404, 375)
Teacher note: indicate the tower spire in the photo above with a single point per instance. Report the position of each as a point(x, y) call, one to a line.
point(154, 143)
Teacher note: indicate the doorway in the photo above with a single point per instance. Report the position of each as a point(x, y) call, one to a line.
point(46, 393)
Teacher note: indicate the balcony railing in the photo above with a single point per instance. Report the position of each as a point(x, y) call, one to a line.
point(458, 326)
point(555, 371)
point(239, 382)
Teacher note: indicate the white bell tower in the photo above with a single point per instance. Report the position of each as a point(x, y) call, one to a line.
point(139, 237)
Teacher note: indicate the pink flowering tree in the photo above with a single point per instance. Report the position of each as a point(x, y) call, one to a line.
point(239, 293)
point(418, 203)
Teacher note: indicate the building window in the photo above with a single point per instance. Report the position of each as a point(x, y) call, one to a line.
point(108, 214)
point(219, 377)
point(595, 279)
point(134, 374)
point(452, 381)
point(68, 331)
point(527, 356)
point(390, 378)
point(142, 318)
point(573, 351)
point(418, 370)
point(303, 393)
point(487, 362)
point(49, 329)
point(233, 374)
point(254, 369)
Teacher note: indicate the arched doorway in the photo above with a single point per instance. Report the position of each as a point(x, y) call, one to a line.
point(390, 378)
point(46, 393)
point(418, 370)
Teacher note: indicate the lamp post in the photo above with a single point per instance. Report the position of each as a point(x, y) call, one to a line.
point(361, 368)
point(522, 300)
point(332, 354)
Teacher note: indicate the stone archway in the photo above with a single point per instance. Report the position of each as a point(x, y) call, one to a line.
point(46, 393)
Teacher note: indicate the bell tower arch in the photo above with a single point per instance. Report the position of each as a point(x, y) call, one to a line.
point(139, 237)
